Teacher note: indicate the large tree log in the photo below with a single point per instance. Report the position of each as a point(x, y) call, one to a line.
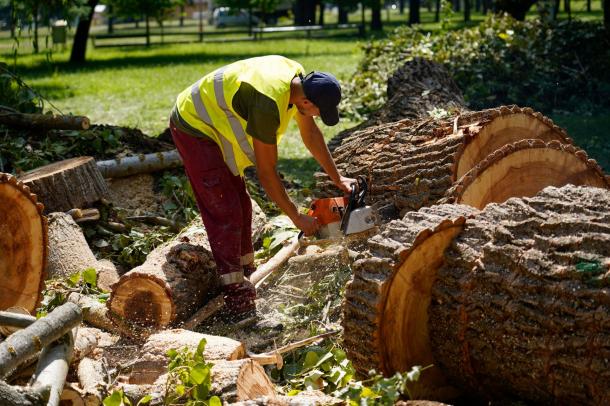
point(243, 379)
point(516, 303)
point(175, 280)
point(144, 163)
point(413, 164)
point(419, 89)
point(152, 361)
point(69, 252)
point(44, 121)
point(53, 366)
point(64, 185)
point(24, 344)
point(23, 245)
point(171, 284)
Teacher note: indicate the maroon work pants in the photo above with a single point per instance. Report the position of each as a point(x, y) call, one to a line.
point(222, 199)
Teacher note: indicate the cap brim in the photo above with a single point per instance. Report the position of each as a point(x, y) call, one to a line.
point(330, 117)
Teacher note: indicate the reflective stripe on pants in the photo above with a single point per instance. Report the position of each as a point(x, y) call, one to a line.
point(223, 201)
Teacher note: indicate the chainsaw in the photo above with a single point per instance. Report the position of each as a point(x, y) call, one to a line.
point(341, 216)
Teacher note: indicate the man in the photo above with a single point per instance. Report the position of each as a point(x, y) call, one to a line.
point(233, 118)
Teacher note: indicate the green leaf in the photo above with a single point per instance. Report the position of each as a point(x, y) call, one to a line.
point(311, 359)
point(171, 353)
point(180, 389)
point(201, 392)
point(90, 277)
point(294, 392)
point(201, 347)
point(145, 400)
point(199, 373)
point(74, 278)
point(214, 401)
point(115, 399)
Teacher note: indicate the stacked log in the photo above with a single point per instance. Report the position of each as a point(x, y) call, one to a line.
point(23, 245)
point(411, 164)
point(512, 300)
point(68, 184)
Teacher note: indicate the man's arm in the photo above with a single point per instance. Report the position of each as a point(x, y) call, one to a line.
point(266, 162)
point(314, 141)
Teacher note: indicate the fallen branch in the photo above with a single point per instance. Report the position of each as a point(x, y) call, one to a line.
point(96, 314)
point(82, 215)
point(132, 165)
point(206, 311)
point(275, 262)
point(275, 356)
point(156, 221)
point(16, 395)
point(44, 121)
point(53, 367)
point(24, 344)
point(10, 319)
point(92, 377)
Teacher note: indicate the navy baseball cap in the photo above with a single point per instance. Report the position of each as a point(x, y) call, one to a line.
point(323, 90)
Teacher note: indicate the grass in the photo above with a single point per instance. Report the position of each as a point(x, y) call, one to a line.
point(136, 86)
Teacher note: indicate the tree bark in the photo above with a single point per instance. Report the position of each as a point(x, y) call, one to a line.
point(25, 343)
point(96, 314)
point(81, 37)
point(511, 300)
point(466, 10)
point(44, 121)
point(171, 284)
point(69, 252)
point(132, 165)
point(516, 8)
point(14, 395)
point(64, 185)
point(23, 245)
point(93, 379)
point(606, 5)
point(343, 14)
point(53, 366)
point(411, 164)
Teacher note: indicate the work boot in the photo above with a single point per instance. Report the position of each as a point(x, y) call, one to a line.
point(239, 298)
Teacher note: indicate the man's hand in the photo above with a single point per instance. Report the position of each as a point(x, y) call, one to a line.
point(309, 225)
point(345, 184)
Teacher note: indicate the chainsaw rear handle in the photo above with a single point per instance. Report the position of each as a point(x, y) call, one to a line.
point(356, 199)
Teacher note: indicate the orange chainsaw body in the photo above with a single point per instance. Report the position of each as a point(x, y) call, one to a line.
point(328, 210)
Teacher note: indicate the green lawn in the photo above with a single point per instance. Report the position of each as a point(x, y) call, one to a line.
point(137, 86)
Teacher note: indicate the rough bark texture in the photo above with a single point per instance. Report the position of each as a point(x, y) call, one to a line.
point(23, 245)
point(96, 314)
point(15, 395)
point(410, 164)
point(92, 378)
point(152, 361)
point(170, 285)
point(64, 185)
point(517, 305)
point(418, 89)
point(69, 252)
point(22, 345)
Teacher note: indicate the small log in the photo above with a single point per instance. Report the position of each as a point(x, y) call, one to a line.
point(53, 366)
point(209, 309)
point(44, 121)
point(132, 165)
point(69, 252)
point(96, 314)
point(85, 341)
point(64, 185)
point(23, 396)
point(93, 379)
point(23, 245)
point(153, 358)
point(25, 343)
point(83, 215)
point(243, 379)
point(19, 320)
point(275, 262)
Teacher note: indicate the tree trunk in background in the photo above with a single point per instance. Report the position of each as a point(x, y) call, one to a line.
point(79, 46)
point(516, 8)
point(110, 20)
point(12, 18)
point(607, 15)
point(321, 16)
point(477, 5)
point(437, 13)
point(467, 10)
point(589, 6)
point(147, 32)
point(414, 11)
point(457, 6)
point(305, 12)
point(499, 301)
point(401, 5)
point(35, 17)
point(567, 8)
point(182, 16)
point(343, 14)
point(556, 4)
point(376, 24)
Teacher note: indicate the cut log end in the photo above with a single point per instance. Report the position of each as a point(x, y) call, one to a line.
point(523, 169)
point(23, 245)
